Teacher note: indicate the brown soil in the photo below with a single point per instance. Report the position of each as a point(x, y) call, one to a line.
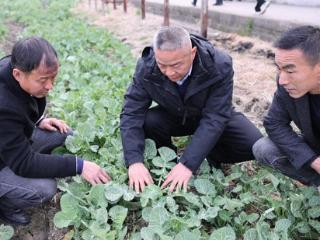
point(253, 88)
point(13, 30)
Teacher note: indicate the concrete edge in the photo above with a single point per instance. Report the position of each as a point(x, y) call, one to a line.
point(265, 29)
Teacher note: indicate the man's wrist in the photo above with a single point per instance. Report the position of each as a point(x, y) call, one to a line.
point(79, 165)
point(40, 120)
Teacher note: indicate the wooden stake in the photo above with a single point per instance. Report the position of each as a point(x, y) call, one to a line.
point(125, 6)
point(166, 13)
point(204, 18)
point(143, 9)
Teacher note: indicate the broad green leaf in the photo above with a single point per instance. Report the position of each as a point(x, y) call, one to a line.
point(225, 215)
point(251, 218)
point(158, 172)
point(6, 232)
point(315, 224)
point(63, 219)
point(159, 162)
point(150, 150)
point(295, 206)
point(303, 227)
point(204, 186)
point(150, 193)
point(94, 148)
point(209, 214)
point(128, 194)
point(314, 212)
point(224, 233)
point(101, 215)
point(118, 214)
point(136, 236)
point(274, 180)
point(113, 192)
point(282, 225)
point(156, 215)
point(314, 201)
point(186, 235)
point(233, 176)
point(73, 144)
point(232, 204)
point(171, 204)
point(263, 230)
point(237, 189)
point(147, 233)
point(99, 230)
point(250, 234)
point(167, 154)
point(247, 197)
point(69, 205)
point(268, 214)
point(191, 198)
point(97, 197)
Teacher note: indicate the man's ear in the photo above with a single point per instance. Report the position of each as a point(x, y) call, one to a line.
point(318, 71)
point(193, 52)
point(17, 74)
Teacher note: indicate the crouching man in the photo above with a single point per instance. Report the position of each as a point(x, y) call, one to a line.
point(27, 170)
point(297, 100)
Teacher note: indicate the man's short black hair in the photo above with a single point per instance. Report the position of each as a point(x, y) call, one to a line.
point(29, 53)
point(305, 38)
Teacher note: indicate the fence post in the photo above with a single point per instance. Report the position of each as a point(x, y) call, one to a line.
point(114, 5)
point(125, 6)
point(166, 13)
point(204, 18)
point(143, 9)
point(103, 7)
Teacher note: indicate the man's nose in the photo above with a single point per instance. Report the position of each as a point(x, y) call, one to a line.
point(170, 71)
point(283, 79)
point(49, 85)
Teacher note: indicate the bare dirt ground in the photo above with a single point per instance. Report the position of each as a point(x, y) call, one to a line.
point(253, 81)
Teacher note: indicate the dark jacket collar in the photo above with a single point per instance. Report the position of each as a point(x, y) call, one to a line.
point(204, 71)
point(303, 110)
point(7, 78)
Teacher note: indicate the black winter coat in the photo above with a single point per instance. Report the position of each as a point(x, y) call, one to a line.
point(285, 109)
point(208, 97)
point(18, 114)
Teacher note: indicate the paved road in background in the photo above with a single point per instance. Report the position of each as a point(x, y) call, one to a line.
point(295, 14)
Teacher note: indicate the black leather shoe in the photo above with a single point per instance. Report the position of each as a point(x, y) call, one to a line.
point(17, 217)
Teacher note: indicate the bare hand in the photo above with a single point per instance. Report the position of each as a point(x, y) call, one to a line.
point(316, 165)
point(94, 174)
point(139, 177)
point(179, 177)
point(53, 124)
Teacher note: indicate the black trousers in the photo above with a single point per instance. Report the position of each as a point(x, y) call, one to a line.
point(235, 143)
point(18, 192)
point(258, 5)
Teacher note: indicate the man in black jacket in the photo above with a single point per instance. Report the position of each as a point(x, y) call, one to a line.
point(297, 100)
point(192, 83)
point(27, 170)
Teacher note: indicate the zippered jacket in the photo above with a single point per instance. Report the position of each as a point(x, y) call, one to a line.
point(208, 97)
point(19, 113)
